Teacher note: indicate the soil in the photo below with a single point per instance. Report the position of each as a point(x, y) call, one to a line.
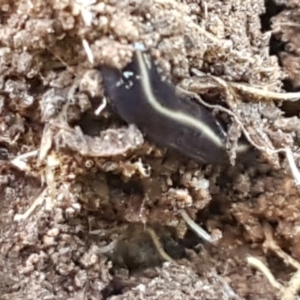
point(92, 209)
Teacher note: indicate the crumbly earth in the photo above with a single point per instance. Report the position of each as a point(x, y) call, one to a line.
point(108, 223)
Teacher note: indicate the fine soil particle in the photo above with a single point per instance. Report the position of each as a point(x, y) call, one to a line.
point(92, 209)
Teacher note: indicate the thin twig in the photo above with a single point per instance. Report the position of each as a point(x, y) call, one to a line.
point(262, 93)
point(101, 107)
point(290, 291)
point(258, 265)
point(293, 287)
point(196, 228)
point(37, 202)
point(20, 160)
point(88, 51)
point(270, 244)
point(265, 93)
point(286, 293)
point(158, 245)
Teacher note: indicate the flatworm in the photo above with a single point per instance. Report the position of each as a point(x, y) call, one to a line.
point(142, 98)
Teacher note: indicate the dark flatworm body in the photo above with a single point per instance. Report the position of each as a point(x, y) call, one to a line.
point(142, 98)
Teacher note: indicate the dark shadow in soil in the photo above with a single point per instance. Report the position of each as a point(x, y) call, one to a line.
point(271, 10)
point(276, 47)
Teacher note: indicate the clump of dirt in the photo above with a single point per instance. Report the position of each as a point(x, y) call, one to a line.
point(285, 30)
point(91, 209)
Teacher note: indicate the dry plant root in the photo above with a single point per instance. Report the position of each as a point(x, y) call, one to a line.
point(159, 246)
point(88, 51)
point(37, 202)
point(196, 228)
point(261, 93)
point(257, 264)
point(101, 107)
point(289, 291)
point(20, 161)
point(47, 195)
